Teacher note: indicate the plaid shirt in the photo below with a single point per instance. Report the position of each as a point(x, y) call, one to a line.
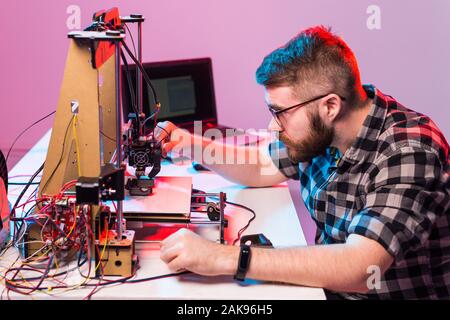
point(391, 186)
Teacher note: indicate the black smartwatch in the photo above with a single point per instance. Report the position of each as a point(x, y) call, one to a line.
point(244, 262)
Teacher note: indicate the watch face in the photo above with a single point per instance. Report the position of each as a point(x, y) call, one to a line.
point(244, 261)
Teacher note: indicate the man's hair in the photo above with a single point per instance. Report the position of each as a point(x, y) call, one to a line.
point(316, 62)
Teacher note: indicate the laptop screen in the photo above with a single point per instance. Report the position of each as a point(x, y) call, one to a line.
point(185, 89)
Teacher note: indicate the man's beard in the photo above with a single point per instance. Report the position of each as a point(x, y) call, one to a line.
point(319, 139)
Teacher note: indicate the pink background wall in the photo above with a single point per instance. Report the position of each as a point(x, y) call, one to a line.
point(409, 57)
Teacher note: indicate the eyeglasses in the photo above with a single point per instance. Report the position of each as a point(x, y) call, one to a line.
point(276, 113)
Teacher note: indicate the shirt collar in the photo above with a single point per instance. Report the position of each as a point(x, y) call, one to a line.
point(366, 140)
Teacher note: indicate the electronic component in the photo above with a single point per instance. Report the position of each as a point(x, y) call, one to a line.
point(78, 210)
point(111, 183)
point(87, 190)
point(60, 225)
point(142, 154)
point(109, 186)
point(213, 211)
point(104, 21)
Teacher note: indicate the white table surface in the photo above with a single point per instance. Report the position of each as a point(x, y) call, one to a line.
point(275, 217)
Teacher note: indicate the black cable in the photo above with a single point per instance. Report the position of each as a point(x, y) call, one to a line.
point(54, 275)
point(127, 279)
point(148, 118)
point(132, 39)
point(22, 222)
point(13, 211)
point(144, 73)
point(168, 134)
point(22, 183)
point(158, 277)
point(29, 127)
point(147, 80)
point(80, 254)
point(242, 207)
point(61, 157)
point(122, 280)
point(130, 84)
point(42, 278)
point(249, 221)
point(106, 136)
point(12, 215)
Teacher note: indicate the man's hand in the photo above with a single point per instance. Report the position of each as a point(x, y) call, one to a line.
point(260, 171)
point(185, 250)
point(171, 136)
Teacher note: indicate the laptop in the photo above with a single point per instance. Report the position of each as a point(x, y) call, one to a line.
point(185, 89)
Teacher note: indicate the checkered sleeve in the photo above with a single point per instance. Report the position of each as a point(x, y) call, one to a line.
point(403, 198)
point(280, 158)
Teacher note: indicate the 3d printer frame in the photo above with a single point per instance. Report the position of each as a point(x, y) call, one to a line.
point(95, 168)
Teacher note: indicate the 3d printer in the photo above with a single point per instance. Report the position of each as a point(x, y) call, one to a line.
point(85, 195)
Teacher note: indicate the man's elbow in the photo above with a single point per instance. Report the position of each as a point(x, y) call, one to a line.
point(351, 284)
point(366, 279)
point(348, 286)
point(371, 279)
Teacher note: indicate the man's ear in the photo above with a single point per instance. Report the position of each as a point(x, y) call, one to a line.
point(331, 108)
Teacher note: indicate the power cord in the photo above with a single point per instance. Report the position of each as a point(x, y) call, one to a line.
point(29, 127)
point(242, 207)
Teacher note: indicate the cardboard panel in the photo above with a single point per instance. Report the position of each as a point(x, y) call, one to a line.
point(79, 85)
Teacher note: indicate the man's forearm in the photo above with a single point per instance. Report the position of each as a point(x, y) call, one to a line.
point(339, 267)
point(246, 165)
point(317, 266)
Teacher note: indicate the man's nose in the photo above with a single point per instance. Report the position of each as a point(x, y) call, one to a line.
point(274, 126)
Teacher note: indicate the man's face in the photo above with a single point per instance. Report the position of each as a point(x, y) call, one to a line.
point(302, 129)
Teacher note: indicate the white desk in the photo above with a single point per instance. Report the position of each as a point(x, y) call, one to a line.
point(276, 218)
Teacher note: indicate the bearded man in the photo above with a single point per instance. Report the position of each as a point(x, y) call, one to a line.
point(374, 175)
